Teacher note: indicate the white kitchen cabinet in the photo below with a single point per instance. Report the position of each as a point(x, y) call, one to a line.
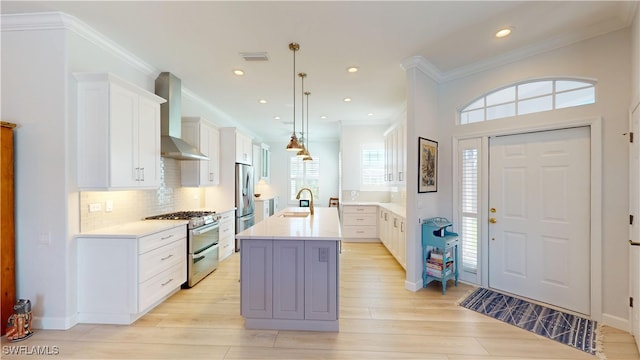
point(265, 162)
point(226, 239)
point(392, 234)
point(244, 149)
point(121, 277)
point(261, 162)
point(395, 141)
point(289, 284)
point(118, 134)
point(206, 138)
point(264, 208)
point(359, 223)
point(234, 139)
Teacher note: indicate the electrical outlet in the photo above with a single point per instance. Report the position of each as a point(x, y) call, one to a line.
point(108, 206)
point(95, 207)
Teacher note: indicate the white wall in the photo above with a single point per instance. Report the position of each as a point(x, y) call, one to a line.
point(352, 139)
point(34, 81)
point(422, 121)
point(607, 60)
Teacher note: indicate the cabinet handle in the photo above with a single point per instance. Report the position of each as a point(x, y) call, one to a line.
point(400, 176)
point(166, 257)
point(395, 222)
point(402, 227)
point(137, 174)
point(633, 243)
point(166, 282)
point(167, 237)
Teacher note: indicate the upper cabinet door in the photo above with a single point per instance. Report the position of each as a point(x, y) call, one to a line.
point(118, 134)
point(244, 149)
point(206, 137)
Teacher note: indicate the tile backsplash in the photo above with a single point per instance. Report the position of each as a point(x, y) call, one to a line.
point(135, 205)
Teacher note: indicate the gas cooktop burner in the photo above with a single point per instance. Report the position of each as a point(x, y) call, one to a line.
point(181, 215)
point(196, 218)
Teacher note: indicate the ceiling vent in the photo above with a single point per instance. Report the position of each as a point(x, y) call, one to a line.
point(255, 56)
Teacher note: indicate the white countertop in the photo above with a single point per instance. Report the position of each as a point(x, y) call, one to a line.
point(323, 225)
point(265, 197)
point(393, 207)
point(134, 229)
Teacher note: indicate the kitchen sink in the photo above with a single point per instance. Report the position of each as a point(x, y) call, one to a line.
point(299, 214)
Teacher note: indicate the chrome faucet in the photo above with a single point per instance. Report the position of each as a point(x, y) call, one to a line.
point(310, 202)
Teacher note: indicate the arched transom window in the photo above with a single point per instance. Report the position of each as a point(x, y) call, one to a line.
point(529, 97)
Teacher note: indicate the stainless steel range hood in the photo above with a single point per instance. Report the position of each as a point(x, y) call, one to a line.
point(169, 87)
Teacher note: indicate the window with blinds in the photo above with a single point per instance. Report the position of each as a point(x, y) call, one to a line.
point(304, 174)
point(372, 163)
point(469, 174)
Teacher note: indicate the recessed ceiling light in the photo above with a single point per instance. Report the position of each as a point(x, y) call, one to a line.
point(262, 101)
point(238, 72)
point(276, 117)
point(323, 117)
point(352, 69)
point(347, 99)
point(370, 114)
point(504, 32)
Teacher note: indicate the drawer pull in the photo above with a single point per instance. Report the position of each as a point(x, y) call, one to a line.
point(167, 282)
point(167, 237)
point(166, 257)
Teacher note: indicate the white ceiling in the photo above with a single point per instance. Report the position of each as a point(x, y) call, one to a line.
point(200, 42)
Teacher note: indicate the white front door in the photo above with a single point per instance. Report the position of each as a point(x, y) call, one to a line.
point(539, 231)
point(634, 204)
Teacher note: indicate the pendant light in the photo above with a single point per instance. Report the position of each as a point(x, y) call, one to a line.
point(294, 145)
point(308, 156)
point(303, 152)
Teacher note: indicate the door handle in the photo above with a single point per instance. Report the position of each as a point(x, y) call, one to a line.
point(633, 243)
point(493, 220)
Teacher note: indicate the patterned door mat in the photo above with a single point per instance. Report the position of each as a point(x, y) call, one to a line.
point(568, 329)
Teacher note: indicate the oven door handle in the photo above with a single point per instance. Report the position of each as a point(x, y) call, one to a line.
point(196, 259)
point(204, 229)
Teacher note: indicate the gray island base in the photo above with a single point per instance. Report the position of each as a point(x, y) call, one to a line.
point(289, 271)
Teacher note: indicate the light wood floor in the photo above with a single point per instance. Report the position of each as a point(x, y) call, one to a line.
point(379, 319)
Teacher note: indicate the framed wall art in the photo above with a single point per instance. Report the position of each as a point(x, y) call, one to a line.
point(427, 165)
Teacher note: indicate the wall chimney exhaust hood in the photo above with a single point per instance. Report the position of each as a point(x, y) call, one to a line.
point(172, 146)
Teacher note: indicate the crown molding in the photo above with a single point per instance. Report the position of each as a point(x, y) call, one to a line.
point(63, 21)
point(422, 64)
point(553, 43)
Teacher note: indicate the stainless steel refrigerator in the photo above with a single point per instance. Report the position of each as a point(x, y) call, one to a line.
point(244, 198)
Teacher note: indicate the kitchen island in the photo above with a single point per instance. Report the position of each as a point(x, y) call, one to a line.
point(289, 271)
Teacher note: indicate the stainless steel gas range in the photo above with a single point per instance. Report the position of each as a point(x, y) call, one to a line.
point(202, 242)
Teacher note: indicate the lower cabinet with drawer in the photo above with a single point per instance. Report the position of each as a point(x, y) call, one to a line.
point(360, 223)
point(227, 237)
point(123, 276)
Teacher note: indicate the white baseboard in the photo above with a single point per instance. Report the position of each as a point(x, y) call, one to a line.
point(50, 323)
point(358, 240)
point(616, 322)
point(413, 286)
